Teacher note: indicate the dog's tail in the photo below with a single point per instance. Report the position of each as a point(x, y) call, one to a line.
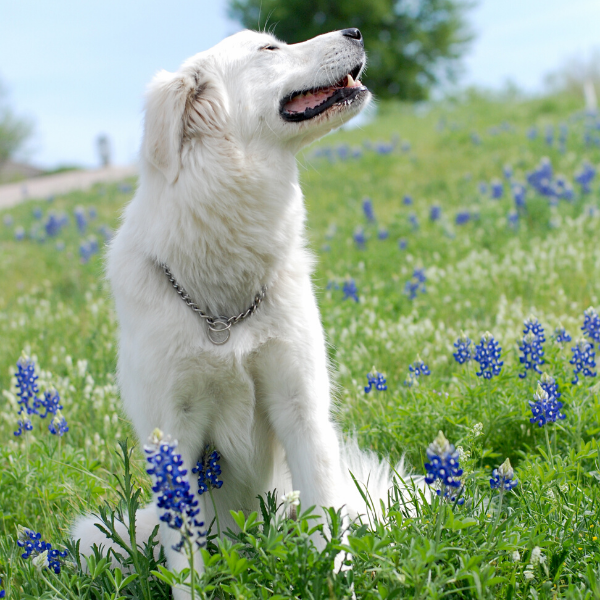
point(86, 530)
point(372, 485)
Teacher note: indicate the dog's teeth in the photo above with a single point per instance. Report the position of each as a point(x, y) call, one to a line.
point(350, 81)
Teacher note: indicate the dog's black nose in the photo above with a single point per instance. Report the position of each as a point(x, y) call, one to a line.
point(353, 33)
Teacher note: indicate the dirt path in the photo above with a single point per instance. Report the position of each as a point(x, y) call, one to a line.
point(61, 183)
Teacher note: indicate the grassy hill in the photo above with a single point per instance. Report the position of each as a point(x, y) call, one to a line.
point(477, 222)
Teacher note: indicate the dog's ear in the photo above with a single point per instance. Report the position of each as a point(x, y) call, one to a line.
point(167, 100)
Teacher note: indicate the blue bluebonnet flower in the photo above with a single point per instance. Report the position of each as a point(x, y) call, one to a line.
point(332, 285)
point(92, 212)
point(88, 248)
point(419, 368)
point(532, 346)
point(443, 468)
point(52, 225)
point(125, 188)
point(416, 284)
point(475, 139)
point(50, 402)
point(208, 470)
point(487, 354)
point(507, 171)
point(413, 220)
point(343, 151)
point(383, 234)
point(463, 352)
point(519, 192)
point(34, 546)
point(2, 592)
point(541, 177)
point(80, 219)
point(512, 218)
point(27, 387)
point(532, 133)
point(19, 234)
point(549, 137)
point(585, 176)
point(106, 232)
point(359, 237)
point(178, 506)
point(377, 380)
point(37, 213)
point(591, 324)
point(503, 477)
point(402, 243)
point(463, 217)
point(350, 290)
point(546, 405)
point(407, 200)
point(383, 148)
point(584, 359)
point(497, 189)
point(435, 213)
point(560, 335)
point(483, 187)
point(58, 424)
point(367, 206)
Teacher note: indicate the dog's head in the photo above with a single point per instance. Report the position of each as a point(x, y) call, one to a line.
point(250, 88)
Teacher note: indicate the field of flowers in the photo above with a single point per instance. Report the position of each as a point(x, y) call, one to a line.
point(458, 276)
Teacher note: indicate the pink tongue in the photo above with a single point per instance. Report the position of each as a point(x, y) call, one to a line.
point(301, 103)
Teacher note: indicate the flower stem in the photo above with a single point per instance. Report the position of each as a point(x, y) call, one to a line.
point(215, 509)
point(548, 444)
point(192, 573)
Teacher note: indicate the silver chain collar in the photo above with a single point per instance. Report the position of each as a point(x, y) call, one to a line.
point(219, 328)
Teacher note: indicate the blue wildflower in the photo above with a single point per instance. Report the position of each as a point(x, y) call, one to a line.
point(88, 248)
point(560, 335)
point(532, 346)
point(483, 188)
point(443, 468)
point(584, 359)
point(36, 547)
point(125, 188)
point(80, 219)
point(413, 220)
point(503, 477)
point(50, 402)
point(37, 213)
point(419, 368)
point(407, 200)
point(58, 425)
point(487, 354)
point(19, 233)
point(27, 387)
point(367, 206)
point(383, 234)
point(546, 405)
point(359, 238)
point(463, 352)
point(402, 243)
point(53, 225)
point(507, 171)
point(377, 380)
point(177, 504)
point(435, 213)
point(332, 285)
point(475, 139)
point(512, 218)
point(350, 290)
point(92, 213)
point(591, 324)
point(532, 133)
point(497, 189)
point(519, 191)
point(2, 592)
point(585, 176)
point(463, 217)
point(208, 470)
point(416, 284)
point(549, 137)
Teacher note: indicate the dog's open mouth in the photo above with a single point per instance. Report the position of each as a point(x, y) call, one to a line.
point(300, 106)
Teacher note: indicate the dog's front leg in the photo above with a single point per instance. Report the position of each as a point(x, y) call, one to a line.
point(295, 388)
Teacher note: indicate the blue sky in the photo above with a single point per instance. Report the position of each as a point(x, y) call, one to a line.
point(80, 68)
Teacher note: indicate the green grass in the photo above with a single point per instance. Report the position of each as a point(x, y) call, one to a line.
point(481, 276)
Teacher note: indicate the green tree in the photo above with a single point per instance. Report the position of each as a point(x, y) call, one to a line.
point(411, 44)
point(14, 131)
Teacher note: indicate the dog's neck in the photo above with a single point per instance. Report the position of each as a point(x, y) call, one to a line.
point(226, 227)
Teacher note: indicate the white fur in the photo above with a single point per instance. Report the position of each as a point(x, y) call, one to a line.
point(219, 202)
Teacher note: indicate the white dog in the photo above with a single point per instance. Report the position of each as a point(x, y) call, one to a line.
point(220, 206)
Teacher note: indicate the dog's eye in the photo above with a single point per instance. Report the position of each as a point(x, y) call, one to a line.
point(269, 47)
